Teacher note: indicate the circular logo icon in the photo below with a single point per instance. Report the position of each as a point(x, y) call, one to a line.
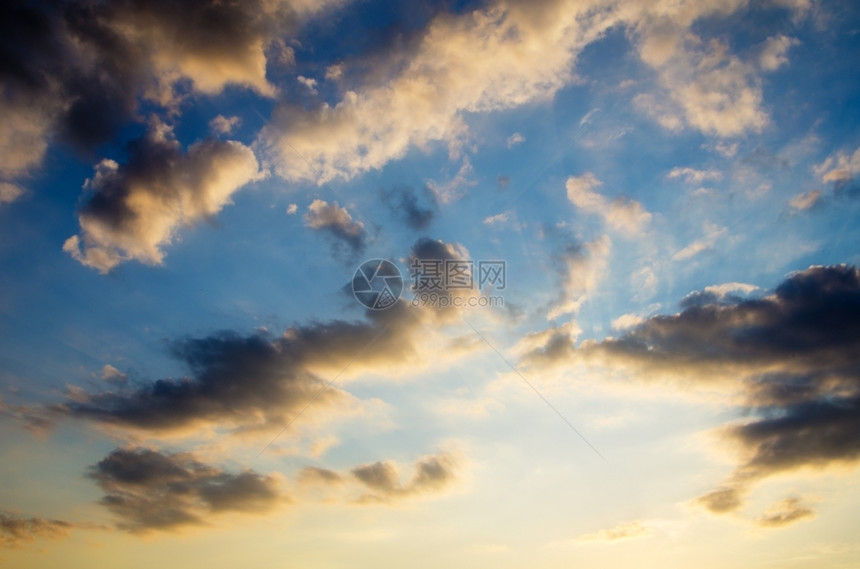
point(377, 284)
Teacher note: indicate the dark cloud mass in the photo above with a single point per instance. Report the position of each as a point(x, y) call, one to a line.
point(151, 490)
point(83, 65)
point(793, 357)
point(252, 381)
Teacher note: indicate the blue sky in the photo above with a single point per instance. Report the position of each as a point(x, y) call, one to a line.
point(187, 189)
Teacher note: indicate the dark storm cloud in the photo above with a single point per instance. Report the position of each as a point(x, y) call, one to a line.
point(84, 64)
point(792, 356)
point(404, 203)
point(16, 530)
point(251, 381)
point(151, 490)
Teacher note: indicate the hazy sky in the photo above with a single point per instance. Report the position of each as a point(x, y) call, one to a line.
point(668, 374)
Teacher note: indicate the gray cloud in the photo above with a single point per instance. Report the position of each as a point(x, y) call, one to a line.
point(337, 222)
point(16, 530)
point(382, 481)
point(250, 382)
point(791, 357)
point(403, 202)
point(151, 490)
point(784, 513)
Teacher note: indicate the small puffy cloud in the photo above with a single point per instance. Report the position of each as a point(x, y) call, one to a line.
point(135, 209)
point(773, 52)
point(626, 321)
point(514, 139)
point(10, 192)
point(17, 531)
point(404, 202)
point(624, 215)
point(338, 223)
point(620, 532)
point(382, 481)
point(784, 513)
point(840, 169)
point(150, 490)
point(224, 125)
point(721, 500)
point(292, 209)
point(806, 200)
point(113, 375)
point(309, 82)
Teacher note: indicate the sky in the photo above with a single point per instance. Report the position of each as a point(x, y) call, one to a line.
point(363, 283)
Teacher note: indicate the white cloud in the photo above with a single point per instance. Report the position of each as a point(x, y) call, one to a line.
point(224, 125)
point(693, 176)
point(515, 138)
point(712, 233)
point(806, 200)
point(773, 53)
point(839, 167)
point(626, 321)
point(9, 192)
point(136, 210)
point(624, 215)
point(583, 271)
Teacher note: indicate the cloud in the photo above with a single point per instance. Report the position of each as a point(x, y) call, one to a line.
point(497, 57)
point(702, 85)
point(712, 234)
point(620, 532)
point(403, 202)
point(784, 513)
point(79, 69)
point(772, 55)
point(514, 139)
point(382, 481)
point(624, 215)
point(224, 125)
point(113, 375)
point(136, 209)
point(338, 223)
point(150, 490)
point(840, 169)
point(251, 382)
point(626, 321)
point(806, 200)
point(9, 192)
point(581, 267)
point(16, 530)
point(787, 358)
point(693, 176)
